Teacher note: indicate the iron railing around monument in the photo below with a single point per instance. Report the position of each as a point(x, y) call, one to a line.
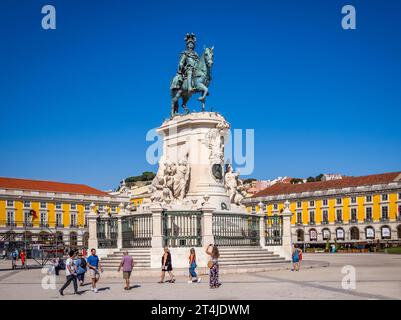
point(107, 232)
point(236, 230)
point(273, 230)
point(137, 231)
point(182, 228)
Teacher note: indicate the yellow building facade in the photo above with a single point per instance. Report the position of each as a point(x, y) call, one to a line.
point(348, 210)
point(35, 211)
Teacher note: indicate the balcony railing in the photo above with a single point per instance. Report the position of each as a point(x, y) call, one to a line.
point(353, 221)
point(312, 223)
point(59, 225)
point(28, 224)
point(325, 222)
point(368, 220)
point(73, 225)
point(339, 221)
point(11, 224)
point(384, 219)
point(44, 225)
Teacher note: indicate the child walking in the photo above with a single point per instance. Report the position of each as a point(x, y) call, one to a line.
point(193, 277)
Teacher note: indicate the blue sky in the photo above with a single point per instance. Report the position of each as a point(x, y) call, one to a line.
point(76, 102)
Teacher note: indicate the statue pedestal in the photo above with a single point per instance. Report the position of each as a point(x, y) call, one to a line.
point(197, 138)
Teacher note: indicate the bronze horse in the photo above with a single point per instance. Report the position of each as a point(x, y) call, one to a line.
point(201, 79)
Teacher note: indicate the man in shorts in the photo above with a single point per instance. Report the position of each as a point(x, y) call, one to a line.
point(127, 263)
point(94, 267)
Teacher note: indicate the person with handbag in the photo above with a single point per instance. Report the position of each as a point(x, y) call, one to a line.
point(193, 277)
point(213, 265)
point(167, 266)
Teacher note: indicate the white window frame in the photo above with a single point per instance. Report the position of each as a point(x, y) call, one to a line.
point(71, 206)
point(325, 212)
point(73, 222)
point(27, 202)
point(381, 212)
point(339, 203)
point(384, 194)
point(368, 201)
point(59, 214)
point(325, 202)
point(45, 215)
point(312, 203)
point(299, 204)
point(12, 213)
point(312, 212)
point(353, 201)
point(87, 206)
point(371, 213)
point(339, 211)
point(10, 205)
point(356, 214)
point(40, 205)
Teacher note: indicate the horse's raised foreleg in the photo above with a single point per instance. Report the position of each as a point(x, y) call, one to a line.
point(205, 91)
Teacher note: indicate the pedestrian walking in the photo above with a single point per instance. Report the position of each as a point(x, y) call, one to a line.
point(127, 263)
point(81, 264)
point(193, 277)
point(213, 265)
point(295, 258)
point(94, 267)
point(14, 259)
point(71, 274)
point(167, 266)
point(22, 257)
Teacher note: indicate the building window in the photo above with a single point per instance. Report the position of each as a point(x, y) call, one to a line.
point(113, 208)
point(299, 204)
point(353, 199)
point(368, 214)
point(353, 215)
point(339, 215)
point(368, 198)
point(384, 197)
point(10, 218)
point(340, 234)
point(59, 221)
point(339, 201)
point(101, 207)
point(58, 205)
point(73, 206)
point(386, 232)
point(27, 204)
point(384, 213)
point(312, 235)
point(87, 206)
point(27, 218)
point(299, 217)
point(326, 234)
point(10, 203)
point(325, 202)
point(312, 217)
point(325, 216)
point(43, 218)
point(73, 220)
point(86, 221)
point(253, 208)
point(370, 233)
point(311, 203)
point(275, 206)
point(43, 205)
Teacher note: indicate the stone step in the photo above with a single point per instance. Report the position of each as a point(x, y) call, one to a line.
point(248, 258)
point(116, 265)
point(247, 254)
point(251, 263)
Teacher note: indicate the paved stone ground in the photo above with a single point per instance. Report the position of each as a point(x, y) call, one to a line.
point(378, 276)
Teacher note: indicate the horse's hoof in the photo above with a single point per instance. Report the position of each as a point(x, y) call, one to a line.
point(201, 99)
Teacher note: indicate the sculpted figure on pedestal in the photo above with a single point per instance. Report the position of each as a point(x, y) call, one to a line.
point(181, 179)
point(233, 185)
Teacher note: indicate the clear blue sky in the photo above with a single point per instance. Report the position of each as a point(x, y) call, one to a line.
point(76, 102)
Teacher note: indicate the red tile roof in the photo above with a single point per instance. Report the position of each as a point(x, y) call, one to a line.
point(50, 186)
point(345, 182)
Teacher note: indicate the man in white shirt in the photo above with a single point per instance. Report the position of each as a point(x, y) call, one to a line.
point(71, 274)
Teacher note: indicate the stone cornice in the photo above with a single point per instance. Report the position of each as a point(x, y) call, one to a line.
point(393, 187)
